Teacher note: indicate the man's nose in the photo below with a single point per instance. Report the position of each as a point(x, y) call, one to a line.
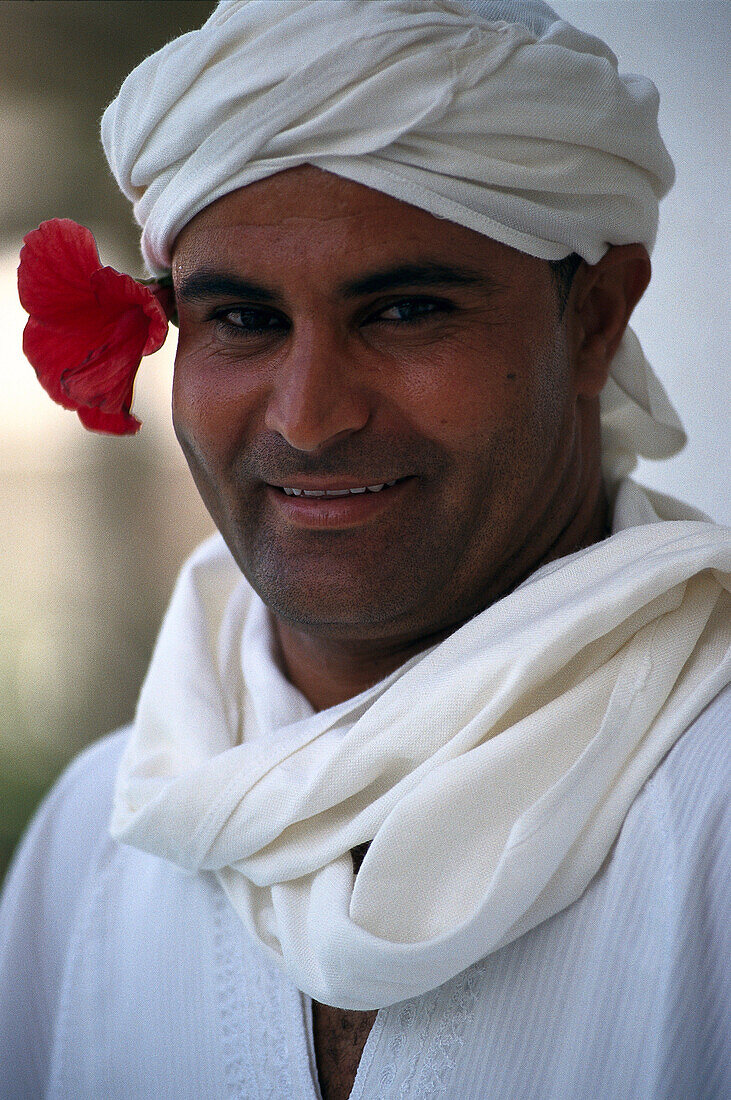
point(318, 394)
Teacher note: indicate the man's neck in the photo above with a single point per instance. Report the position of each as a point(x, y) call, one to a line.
point(330, 670)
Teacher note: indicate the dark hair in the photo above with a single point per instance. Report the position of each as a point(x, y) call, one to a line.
point(562, 272)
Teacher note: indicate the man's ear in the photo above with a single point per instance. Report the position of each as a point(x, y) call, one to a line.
point(601, 303)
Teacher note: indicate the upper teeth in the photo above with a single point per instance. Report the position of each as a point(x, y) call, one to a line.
point(334, 492)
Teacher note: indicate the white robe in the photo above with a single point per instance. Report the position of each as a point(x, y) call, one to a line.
point(122, 977)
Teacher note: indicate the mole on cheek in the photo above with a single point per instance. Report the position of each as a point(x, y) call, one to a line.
point(511, 376)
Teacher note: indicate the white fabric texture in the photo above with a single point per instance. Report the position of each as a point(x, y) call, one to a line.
point(494, 114)
point(491, 774)
point(123, 978)
point(498, 116)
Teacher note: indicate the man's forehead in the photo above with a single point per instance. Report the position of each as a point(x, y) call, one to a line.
point(287, 200)
point(305, 215)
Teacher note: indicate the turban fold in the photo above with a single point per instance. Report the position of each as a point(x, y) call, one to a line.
point(521, 130)
point(495, 114)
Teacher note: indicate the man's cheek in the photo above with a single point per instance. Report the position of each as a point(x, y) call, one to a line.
point(204, 406)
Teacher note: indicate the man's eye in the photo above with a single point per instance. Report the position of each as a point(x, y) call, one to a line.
point(413, 310)
point(246, 321)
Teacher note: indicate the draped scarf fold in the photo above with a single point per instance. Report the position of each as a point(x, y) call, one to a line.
point(491, 774)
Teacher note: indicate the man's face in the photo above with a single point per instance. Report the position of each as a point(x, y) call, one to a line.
point(334, 338)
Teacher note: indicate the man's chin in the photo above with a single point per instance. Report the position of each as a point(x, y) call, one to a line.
point(332, 606)
point(369, 583)
point(340, 600)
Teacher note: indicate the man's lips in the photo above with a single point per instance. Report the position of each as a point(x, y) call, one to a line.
point(296, 484)
point(351, 503)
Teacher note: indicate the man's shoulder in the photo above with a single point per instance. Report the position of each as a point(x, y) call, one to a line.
point(86, 786)
point(686, 799)
point(72, 821)
point(54, 864)
point(702, 755)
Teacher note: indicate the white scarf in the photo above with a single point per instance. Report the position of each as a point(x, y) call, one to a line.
point(491, 774)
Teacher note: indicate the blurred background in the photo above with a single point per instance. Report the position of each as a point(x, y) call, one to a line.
point(94, 529)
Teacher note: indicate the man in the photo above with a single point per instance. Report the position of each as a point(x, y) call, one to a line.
point(422, 794)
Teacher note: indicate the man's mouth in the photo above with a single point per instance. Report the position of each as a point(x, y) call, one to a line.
point(292, 491)
point(333, 504)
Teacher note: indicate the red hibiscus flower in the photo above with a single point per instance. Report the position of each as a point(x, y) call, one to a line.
point(89, 325)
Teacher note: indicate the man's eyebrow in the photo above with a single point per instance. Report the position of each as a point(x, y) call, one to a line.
point(416, 274)
point(205, 285)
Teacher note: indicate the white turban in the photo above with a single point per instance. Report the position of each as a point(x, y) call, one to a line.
point(495, 114)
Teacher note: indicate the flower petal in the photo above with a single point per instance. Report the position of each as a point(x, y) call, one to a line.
point(89, 325)
point(115, 291)
point(51, 352)
point(56, 264)
point(104, 378)
point(121, 423)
